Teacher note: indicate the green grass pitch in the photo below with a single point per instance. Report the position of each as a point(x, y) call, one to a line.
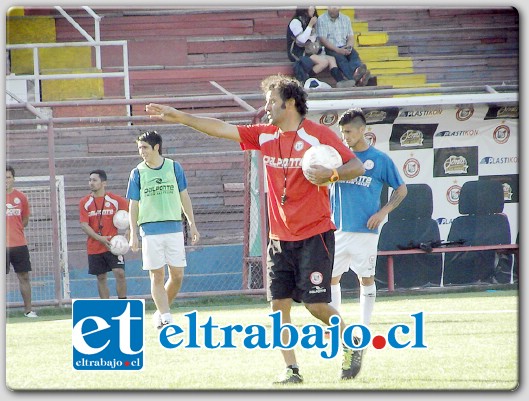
point(472, 343)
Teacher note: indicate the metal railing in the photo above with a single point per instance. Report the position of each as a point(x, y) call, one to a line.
point(37, 75)
point(97, 30)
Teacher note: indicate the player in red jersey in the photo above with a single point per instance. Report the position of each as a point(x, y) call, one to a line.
point(301, 246)
point(17, 252)
point(96, 213)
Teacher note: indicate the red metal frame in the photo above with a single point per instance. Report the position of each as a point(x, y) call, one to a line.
point(509, 248)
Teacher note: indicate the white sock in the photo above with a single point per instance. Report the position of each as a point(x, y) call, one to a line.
point(167, 318)
point(368, 295)
point(336, 296)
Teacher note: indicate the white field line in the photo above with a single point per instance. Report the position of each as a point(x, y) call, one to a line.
point(481, 312)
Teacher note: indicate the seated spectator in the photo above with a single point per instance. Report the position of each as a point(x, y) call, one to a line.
point(300, 31)
point(335, 32)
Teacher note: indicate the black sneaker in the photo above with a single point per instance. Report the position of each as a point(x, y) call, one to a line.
point(359, 72)
point(364, 80)
point(290, 377)
point(352, 361)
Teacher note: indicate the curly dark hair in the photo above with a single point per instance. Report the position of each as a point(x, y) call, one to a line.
point(288, 88)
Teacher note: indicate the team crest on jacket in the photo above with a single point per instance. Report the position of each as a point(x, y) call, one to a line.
point(369, 164)
point(299, 145)
point(316, 278)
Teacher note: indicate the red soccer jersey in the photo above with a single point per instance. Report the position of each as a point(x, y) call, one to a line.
point(306, 211)
point(99, 214)
point(17, 207)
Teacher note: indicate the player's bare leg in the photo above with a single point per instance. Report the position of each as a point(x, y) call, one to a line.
point(102, 286)
point(174, 283)
point(25, 290)
point(159, 295)
point(352, 359)
point(121, 282)
point(292, 373)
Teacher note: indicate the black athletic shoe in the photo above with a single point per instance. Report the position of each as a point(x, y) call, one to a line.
point(360, 72)
point(352, 361)
point(290, 377)
point(364, 80)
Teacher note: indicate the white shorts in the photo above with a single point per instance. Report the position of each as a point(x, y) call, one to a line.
point(161, 249)
point(355, 251)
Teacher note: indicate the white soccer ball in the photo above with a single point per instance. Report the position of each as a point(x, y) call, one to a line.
point(119, 245)
point(121, 219)
point(323, 155)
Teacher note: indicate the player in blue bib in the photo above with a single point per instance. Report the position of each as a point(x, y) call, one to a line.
point(357, 214)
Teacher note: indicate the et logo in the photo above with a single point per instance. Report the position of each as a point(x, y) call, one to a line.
point(107, 334)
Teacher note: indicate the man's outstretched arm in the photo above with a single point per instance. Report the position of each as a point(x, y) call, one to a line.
point(210, 126)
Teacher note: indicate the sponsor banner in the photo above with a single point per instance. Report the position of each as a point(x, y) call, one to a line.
point(445, 146)
point(461, 113)
point(502, 112)
point(498, 153)
point(412, 136)
point(328, 118)
point(445, 193)
point(454, 162)
point(466, 134)
point(386, 115)
point(420, 114)
point(415, 167)
point(378, 136)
